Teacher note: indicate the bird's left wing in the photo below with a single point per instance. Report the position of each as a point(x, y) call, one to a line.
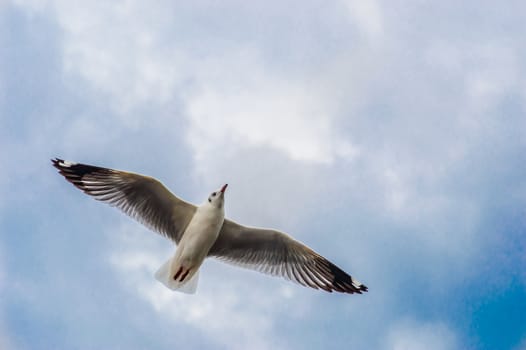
point(141, 197)
point(275, 253)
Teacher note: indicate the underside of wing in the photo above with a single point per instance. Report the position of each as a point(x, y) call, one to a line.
point(278, 254)
point(141, 197)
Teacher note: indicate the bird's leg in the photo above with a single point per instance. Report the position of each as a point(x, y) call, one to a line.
point(184, 275)
point(181, 272)
point(178, 273)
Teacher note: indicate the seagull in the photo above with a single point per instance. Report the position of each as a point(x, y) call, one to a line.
point(203, 231)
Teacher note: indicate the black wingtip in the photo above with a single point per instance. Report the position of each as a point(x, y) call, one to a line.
point(56, 162)
point(360, 289)
point(342, 282)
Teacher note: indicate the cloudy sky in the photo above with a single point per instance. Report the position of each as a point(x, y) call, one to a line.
point(390, 136)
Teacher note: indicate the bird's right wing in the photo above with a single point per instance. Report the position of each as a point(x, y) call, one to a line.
point(276, 253)
point(141, 197)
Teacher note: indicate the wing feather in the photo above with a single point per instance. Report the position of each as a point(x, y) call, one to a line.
point(142, 197)
point(276, 253)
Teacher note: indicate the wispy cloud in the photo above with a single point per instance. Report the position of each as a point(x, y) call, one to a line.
point(230, 312)
point(388, 141)
point(412, 335)
point(246, 105)
point(368, 18)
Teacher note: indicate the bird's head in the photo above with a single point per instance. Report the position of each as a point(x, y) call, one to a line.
point(217, 198)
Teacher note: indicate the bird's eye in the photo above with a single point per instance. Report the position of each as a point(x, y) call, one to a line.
point(214, 194)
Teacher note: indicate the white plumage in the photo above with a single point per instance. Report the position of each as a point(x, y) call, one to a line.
point(202, 231)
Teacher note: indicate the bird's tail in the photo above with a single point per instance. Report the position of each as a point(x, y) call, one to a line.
point(164, 276)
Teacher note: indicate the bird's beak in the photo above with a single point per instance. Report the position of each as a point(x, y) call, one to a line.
point(224, 188)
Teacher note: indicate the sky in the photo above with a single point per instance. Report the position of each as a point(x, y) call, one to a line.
point(389, 136)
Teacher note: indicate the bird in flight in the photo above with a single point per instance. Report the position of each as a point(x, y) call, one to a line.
point(203, 231)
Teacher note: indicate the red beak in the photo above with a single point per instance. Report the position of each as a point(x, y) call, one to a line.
point(224, 188)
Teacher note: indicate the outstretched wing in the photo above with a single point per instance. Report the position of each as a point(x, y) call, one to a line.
point(278, 254)
point(141, 197)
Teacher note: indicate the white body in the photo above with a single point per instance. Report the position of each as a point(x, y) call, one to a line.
point(198, 238)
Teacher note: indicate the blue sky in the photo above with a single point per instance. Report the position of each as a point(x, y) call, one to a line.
point(389, 136)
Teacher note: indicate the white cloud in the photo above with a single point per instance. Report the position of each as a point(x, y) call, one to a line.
point(412, 335)
point(32, 6)
point(488, 71)
point(135, 259)
point(233, 100)
point(284, 139)
point(368, 17)
point(115, 46)
point(235, 103)
point(245, 104)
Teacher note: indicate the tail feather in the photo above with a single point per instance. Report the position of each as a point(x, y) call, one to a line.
point(164, 276)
